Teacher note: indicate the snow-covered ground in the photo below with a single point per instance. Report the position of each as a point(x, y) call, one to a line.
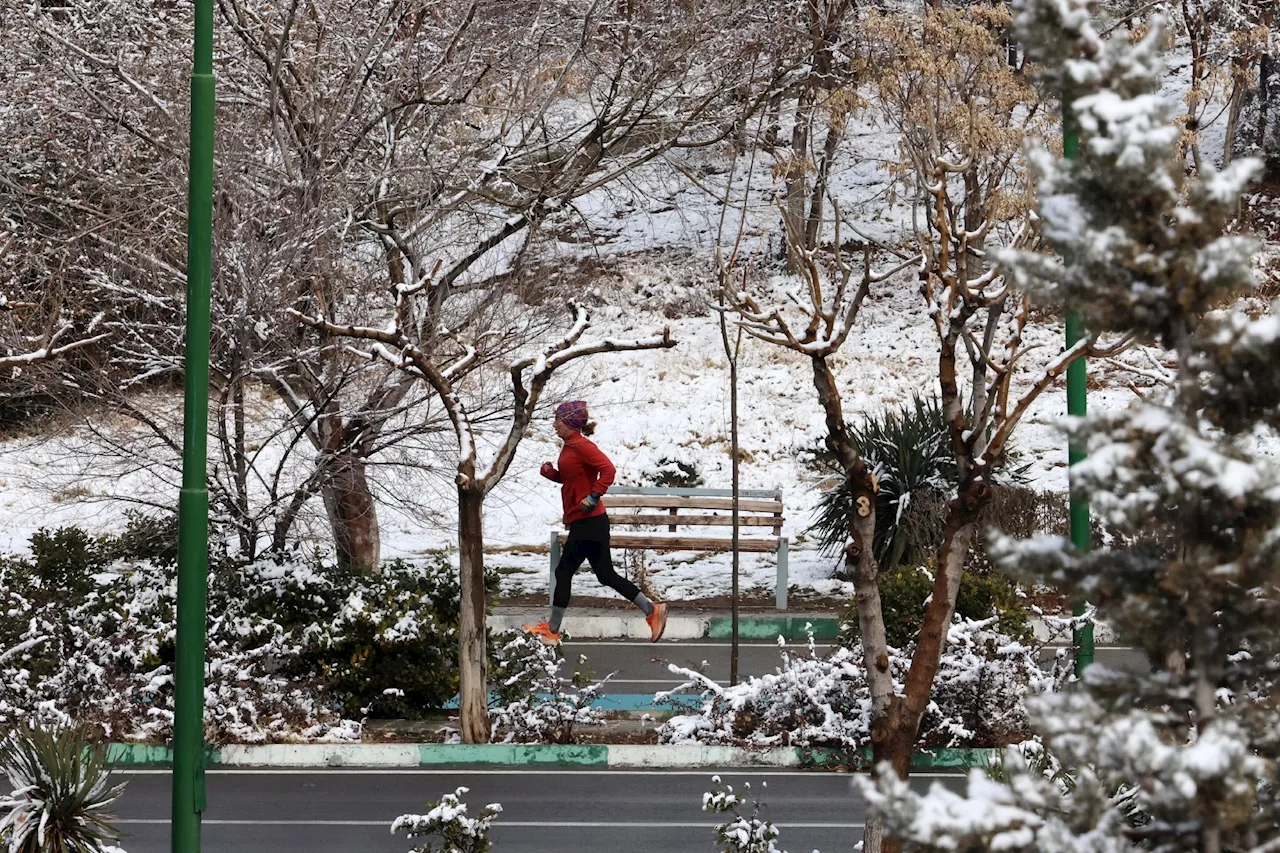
point(651, 407)
point(655, 238)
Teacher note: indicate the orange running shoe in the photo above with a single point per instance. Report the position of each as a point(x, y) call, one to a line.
point(543, 632)
point(657, 620)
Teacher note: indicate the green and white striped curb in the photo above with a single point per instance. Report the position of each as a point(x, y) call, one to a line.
point(622, 625)
point(532, 755)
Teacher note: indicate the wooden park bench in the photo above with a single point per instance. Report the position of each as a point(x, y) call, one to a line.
point(708, 511)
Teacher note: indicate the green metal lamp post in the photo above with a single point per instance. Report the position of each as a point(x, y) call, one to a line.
point(193, 502)
point(1077, 392)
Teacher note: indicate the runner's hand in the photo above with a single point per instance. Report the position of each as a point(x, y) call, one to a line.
point(590, 501)
point(548, 470)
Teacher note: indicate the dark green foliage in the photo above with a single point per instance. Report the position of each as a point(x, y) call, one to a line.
point(94, 617)
point(379, 666)
point(63, 560)
point(62, 792)
point(907, 449)
point(675, 474)
point(904, 591)
point(147, 537)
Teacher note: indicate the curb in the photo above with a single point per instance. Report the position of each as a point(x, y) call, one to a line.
point(626, 626)
point(535, 755)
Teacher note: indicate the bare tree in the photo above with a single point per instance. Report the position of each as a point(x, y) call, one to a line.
point(449, 371)
point(962, 114)
point(458, 131)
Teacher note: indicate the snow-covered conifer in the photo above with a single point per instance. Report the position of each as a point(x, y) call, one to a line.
point(1181, 757)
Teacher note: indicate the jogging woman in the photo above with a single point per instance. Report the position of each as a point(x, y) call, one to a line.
point(584, 475)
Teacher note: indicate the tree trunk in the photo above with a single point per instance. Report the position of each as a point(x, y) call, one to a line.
point(472, 661)
point(353, 515)
point(796, 181)
point(818, 198)
point(1269, 114)
point(895, 741)
point(248, 529)
point(1236, 103)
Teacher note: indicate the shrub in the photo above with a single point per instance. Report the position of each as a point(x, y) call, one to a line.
point(534, 702)
point(907, 449)
point(298, 648)
point(61, 790)
point(904, 591)
point(673, 473)
point(825, 702)
point(147, 537)
point(744, 833)
point(447, 827)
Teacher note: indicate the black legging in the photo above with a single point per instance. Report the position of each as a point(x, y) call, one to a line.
point(594, 548)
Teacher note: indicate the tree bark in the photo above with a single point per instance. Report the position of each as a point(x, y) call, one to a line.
point(472, 661)
point(895, 742)
point(1269, 114)
point(353, 515)
point(796, 182)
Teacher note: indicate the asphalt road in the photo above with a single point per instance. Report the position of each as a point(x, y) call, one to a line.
point(642, 667)
point(572, 811)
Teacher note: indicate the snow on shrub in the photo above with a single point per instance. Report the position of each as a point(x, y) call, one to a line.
point(297, 650)
point(824, 701)
point(61, 792)
point(741, 834)
point(447, 827)
point(535, 703)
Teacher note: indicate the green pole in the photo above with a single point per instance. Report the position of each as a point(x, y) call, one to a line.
point(193, 502)
point(1077, 393)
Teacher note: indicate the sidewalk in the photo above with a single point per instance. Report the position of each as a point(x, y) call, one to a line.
point(600, 624)
point(617, 624)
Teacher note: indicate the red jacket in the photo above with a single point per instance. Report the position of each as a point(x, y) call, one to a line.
point(583, 469)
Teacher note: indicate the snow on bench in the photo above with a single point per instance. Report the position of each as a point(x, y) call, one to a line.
point(708, 510)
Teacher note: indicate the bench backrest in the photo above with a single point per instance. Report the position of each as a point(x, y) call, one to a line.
point(675, 507)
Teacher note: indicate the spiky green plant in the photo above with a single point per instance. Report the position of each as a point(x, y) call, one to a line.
point(909, 451)
point(61, 790)
point(907, 448)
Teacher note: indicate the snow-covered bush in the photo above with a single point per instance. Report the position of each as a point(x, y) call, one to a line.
point(824, 701)
point(743, 833)
point(61, 791)
point(447, 827)
point(534, 702)
point(298, 649)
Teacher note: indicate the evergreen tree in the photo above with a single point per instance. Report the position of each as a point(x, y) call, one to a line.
point(1182, 757)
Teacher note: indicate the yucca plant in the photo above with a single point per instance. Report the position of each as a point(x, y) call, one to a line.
point(906, 447)
point(61, 792)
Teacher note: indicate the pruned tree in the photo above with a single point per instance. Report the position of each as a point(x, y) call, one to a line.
point(450, 368)
point(816, 320)
point(1181, 758)
point(962, 114)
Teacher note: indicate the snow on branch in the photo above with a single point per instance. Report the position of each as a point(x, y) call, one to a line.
point(52, 347)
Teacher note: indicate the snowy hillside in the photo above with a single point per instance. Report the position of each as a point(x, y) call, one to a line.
point(649, 265)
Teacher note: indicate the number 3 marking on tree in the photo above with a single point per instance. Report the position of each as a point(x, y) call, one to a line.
point(864, 506)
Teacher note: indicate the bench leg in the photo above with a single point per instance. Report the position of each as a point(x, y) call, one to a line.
point(782, 574)
point(555, 560)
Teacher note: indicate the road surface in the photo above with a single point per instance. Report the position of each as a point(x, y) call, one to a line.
point(568, 811)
